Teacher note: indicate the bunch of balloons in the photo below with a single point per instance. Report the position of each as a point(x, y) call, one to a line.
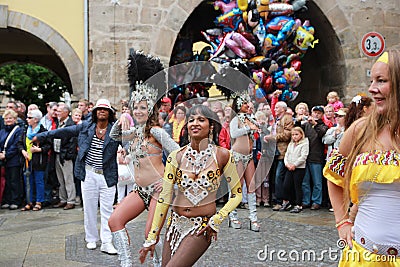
point(267, 39)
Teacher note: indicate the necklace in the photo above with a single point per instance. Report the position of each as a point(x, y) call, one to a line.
point(137, 150)
point(197, 160)
point(101, 130)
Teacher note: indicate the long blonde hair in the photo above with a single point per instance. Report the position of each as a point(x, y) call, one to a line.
point(373, 124)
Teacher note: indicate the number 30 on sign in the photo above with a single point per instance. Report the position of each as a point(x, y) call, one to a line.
point(373, 44)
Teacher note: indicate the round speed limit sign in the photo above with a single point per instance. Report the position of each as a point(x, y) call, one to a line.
point(373, 44)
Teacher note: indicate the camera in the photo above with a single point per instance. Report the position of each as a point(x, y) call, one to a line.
point(305, 118)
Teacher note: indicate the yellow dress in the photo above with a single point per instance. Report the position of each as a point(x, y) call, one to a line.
point(382, 167)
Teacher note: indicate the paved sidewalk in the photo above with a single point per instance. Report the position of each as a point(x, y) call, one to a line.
point(54, 237)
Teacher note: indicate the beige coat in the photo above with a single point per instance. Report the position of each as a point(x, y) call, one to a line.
point(297, 154)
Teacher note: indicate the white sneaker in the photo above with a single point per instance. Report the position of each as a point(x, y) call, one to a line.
point(108, 248)
point(91, 245)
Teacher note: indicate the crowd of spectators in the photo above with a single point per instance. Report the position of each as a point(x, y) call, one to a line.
point(36, 175)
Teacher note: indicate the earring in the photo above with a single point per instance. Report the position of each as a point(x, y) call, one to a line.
point(210, 135)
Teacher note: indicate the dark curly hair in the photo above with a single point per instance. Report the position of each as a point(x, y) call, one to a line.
point(356, 111)
point(212, 119)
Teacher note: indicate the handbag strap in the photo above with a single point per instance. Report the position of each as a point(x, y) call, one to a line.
point(9, 136)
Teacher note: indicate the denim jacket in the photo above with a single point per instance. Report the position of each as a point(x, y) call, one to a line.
point(85, 132)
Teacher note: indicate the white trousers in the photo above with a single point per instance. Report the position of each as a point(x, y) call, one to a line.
point(121, 191)
point(95, 188)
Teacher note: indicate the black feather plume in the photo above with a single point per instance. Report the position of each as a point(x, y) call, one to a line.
point(141, 67)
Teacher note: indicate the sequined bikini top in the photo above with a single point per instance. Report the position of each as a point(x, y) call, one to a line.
point(196, 189)
point(140, 149)
point(242, 118)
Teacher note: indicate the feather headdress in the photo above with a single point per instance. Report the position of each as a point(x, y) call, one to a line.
point(143, 83)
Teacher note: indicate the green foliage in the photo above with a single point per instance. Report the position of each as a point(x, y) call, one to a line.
point(27, 82)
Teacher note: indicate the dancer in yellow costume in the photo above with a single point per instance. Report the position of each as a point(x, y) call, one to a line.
point(366, 171)
point(196, 169)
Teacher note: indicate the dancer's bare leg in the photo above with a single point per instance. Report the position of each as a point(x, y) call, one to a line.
point(249, 177)
point(189, 251)
point(130, 207)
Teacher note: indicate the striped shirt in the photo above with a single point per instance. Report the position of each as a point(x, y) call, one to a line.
point(94, 156)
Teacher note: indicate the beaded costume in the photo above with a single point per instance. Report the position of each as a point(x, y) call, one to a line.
point(145, 193)
point(374, 185)
point(180, 226)
point(207, 181)
point(236, 132)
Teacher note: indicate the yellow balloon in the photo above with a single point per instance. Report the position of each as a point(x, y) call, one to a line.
point(242, 5)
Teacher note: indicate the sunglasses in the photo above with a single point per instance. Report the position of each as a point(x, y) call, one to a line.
point(29, 118)
point(339, 116)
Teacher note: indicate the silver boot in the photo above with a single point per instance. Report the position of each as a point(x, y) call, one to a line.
point(254, 226)
point(121, 243)
point(233, 220)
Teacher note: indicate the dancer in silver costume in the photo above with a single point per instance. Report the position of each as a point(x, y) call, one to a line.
point(144, 143)
point(242, 129)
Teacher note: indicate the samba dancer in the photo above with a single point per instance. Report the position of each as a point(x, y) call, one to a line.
point(242, 129)
point(196, 169)
point(146, 141)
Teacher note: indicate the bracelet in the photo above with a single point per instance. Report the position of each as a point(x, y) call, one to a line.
point(215, 222)
point(149, 243)
point(343, 222)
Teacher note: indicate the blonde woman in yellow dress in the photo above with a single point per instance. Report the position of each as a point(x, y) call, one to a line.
point(366, 170)
point(196, 170)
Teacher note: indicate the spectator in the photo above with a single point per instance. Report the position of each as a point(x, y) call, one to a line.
point(32, 107)
point(281, 133)
point(302, 111)
point(334, 135)
point(178, 122)
point(334, 100)
point(50, 120)
point(295, 162)
point(36, 154)
point(314, 130)
point(96, 166)
point(264, 158)
point(76, 115)
point(360, 106)
point(166, 105)
point(329, 116)
point(216, 106)
point(13, 105)
point(10, 162)
point(83, 105)
point(127, 111)
point(65, 154)
point(221, 115)
point(90, 107)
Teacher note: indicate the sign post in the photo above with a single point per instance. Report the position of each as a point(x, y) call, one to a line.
point(373, 44)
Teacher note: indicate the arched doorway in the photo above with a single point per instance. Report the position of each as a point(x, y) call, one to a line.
point(323, 68)
point(27, 39)
point(23, 47)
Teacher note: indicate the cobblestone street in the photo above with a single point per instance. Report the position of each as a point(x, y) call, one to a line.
point(54, 237)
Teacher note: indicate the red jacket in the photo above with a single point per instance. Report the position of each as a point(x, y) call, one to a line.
point(224, 138)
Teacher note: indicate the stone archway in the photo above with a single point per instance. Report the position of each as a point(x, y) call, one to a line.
point(324, 67)
point(52, 49)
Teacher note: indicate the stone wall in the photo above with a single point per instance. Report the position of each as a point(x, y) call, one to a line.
point(153, 26)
